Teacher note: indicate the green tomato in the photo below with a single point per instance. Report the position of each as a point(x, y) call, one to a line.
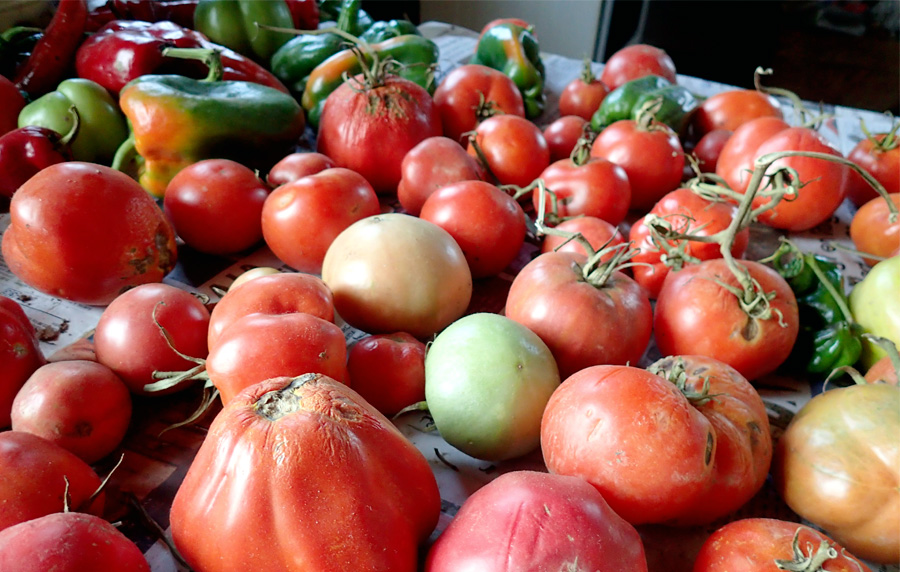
point(487, 381)
point(875, 304)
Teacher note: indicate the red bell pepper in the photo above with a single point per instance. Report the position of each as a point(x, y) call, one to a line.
point(52, 55)
point(124, 50)
point(27, 150)
point(180, 12)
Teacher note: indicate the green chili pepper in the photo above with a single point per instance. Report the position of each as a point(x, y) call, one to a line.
point(385, 30)
point(234, 24)
point(624, 102)
point(513, 50)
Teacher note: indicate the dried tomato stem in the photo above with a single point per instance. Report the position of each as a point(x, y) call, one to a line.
point(807, 563)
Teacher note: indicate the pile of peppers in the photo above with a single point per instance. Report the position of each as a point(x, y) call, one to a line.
point(674, 103)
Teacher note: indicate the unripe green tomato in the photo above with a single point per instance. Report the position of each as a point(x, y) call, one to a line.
point(487, 381)
point(875, 304)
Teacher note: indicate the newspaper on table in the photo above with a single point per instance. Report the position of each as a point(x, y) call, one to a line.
point(154, 466)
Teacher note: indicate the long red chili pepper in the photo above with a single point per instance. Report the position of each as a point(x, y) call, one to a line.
point(55, 51)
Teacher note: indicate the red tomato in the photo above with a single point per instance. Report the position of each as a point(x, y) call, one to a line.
point(487, 224)
point(686, 212)
point(370, 130)
point(470, 92)
point(296, 166)
point(635, 61)
point(302, 218)
point(595, 230)
point(872, 231)
point(582, 96)
point(737, 155)
point(882, 371)
point(730, 109)
point(86, 233)
point(597, 188)
point(760, 544)
point(34, 479)
point(548, 522)
point(709, 148)
point(562, 136)
point(20, 354)
point(81, 406)
point(696, 315)
point(69, 542)
point(652, 158)
point(433, 163)
point(388, 370)
point(262, 346)
point(12, 103)
point(281, 293)
point(130, 342)
point(310, 474)
point(215, 206)
point(880, 156)
point(552, 298)
point(512, 148)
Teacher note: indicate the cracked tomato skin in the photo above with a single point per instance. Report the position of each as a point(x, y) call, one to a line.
point(87, 233)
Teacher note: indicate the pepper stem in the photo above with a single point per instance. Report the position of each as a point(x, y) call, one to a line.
point(73, 132)
point(212, 59)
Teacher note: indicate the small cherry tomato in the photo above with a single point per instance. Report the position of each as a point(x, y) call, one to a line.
point(296, 166)
point(709, 148)
point(388, 370)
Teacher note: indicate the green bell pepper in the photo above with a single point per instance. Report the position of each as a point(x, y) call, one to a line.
point(332, 10)
point(416, 55)
point(624, 102)
point(385, 30)
point(233, 23)
point(102, 126)
point(512, 49)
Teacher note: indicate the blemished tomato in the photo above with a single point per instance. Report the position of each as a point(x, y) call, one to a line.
point(736, 158)
point(388, 370)
point(129, 341)
point(20, 354)
point(511, 148)
point(597, 188)
point(472, 92)
point(562, 136)
point(69, 542)
point(296, 166)
point(696, 314)
point(355, 493)
point(595, 230)
point(871, 230)
point(837, 466)
point(880, 156)
point(635, 61)
point(486, 223)
point(279, 293)
point(86, 233)
point(730, 109)
point(430, 165)
point(530, 521)
point(709, 148)
point(583, 95)
point(769, 545)
point(34, 479)
point(80, 405)
point(215, 206)
point(370, 130)
point(300, 219)
point(397, 273)
point(652, 158)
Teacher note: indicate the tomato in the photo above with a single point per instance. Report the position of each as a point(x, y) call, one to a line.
point(388, 370)
point(696, 314)
point(215, 206)
point(300, 219)
point(597, 188)
point(433, 163)
point(34, 479)
point(732, 108)
point(562, 136)
point(876, 307)
point(296, 166)
point(397, 273)
point(262, 346)
point(595, 230)
point(533, 522)
point(880, 156)
point(69, 542)
point(582, 96)
point(838, 463)
point(303, 474)
point(511, 148)
point(739, 152)
point(487, 380)
point(552, 297)
point(709, 148)
point(248, 275)
point(81, 406)
point(686, 212)
point(635, 61)
point(86, 233)
point(370, 130)
point(469, 93)
point(652, 158)
point(871, 230)
point(882, 371)
point(280, 293)
point(20, 354)
point(486, 223)
point(129, 341)
point(770, 545)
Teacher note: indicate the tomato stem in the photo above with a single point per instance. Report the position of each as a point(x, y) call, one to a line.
point(804, 116)
point(807, 563)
